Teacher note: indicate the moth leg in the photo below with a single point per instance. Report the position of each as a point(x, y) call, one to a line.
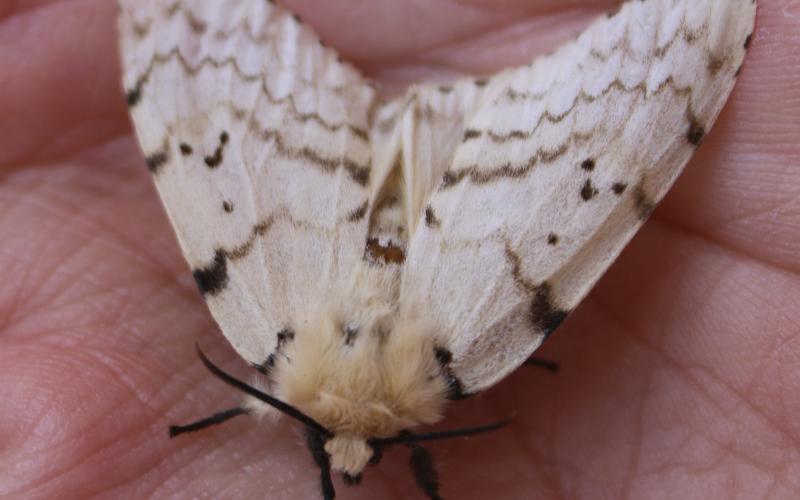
point(543, 363)
point(316, 443)
point(424, 471)
point(215, 419)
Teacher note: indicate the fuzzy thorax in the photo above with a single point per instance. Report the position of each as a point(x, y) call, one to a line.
point(362, 374)
point(381, 383)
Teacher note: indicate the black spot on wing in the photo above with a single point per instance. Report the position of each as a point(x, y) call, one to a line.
point(134, 95)
point(696, 132)
point(552, 239)
point(227, 206)
point(588, 191)
point(588, 164)
point(454, 385)
point(284, 336)
point(544, 314)
point(212, 278)
point(618, 188)
point(430, 218)
point(157, 160)
point(215, 160)
point(186, 149)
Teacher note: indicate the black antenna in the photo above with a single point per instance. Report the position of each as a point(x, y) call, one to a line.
point(215, 419)
point(407, 437)
point(266, 398)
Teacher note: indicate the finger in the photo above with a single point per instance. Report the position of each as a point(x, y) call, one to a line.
point(742, 190)
point(61, 91)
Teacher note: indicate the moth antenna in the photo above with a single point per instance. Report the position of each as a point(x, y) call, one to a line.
point(215, 419)
point(407, 437)
point(543, 363)
point(424, 470)
point(261, 396)
point(316, 443)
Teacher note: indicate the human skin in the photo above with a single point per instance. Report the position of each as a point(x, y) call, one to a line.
point(680, 372)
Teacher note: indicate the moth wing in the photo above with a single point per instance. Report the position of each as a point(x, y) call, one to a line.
point(418, 133)
point(257, 140)
point(557, 168)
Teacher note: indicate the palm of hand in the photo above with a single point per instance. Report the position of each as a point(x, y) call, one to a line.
point(678, 370)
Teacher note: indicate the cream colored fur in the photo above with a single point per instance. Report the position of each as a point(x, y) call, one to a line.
point(385, 381)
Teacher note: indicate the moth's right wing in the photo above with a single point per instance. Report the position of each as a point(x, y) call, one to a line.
point(556, 169)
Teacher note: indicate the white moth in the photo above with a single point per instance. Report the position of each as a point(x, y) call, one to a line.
point(377, 258)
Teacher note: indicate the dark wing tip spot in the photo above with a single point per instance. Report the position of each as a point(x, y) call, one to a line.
point(748, 41)
point(212, 278)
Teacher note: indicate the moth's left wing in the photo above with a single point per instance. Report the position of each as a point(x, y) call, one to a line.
point(557, 169)
point(257, 139)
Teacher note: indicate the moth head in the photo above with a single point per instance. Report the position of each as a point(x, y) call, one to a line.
point(338, 451)
point(349, 455)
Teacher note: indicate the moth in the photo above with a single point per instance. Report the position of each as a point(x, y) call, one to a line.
point(377, 258)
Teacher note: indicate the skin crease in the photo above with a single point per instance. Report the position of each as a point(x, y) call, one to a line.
point(680, 372)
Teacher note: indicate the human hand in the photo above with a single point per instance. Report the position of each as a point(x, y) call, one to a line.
point(679, 372)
